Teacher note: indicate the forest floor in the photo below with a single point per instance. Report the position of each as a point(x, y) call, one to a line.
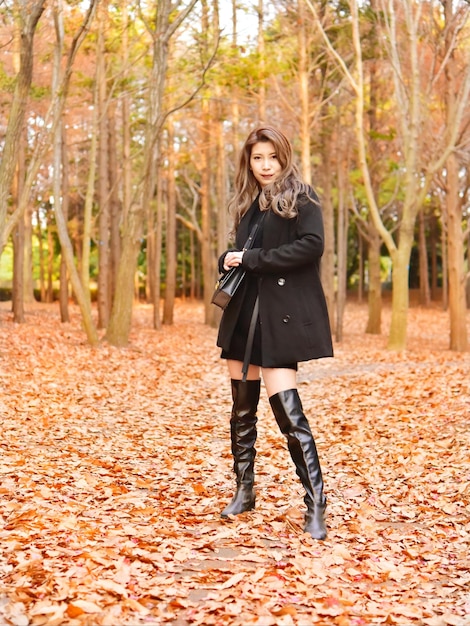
point(116, 463)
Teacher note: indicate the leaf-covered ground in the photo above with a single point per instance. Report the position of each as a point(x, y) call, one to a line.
point(116, 463)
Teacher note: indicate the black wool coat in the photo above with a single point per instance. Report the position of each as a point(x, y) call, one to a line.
point(292, 306)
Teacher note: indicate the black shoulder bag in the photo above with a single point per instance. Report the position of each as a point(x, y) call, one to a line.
point(229, 282)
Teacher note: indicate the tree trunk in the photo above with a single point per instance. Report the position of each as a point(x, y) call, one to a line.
point(467, 281)
point(400, 296)
point(126, 140)
point(61, 223)
point(19, 237)
point(433, 242)
point(150, 256)
point(89, 196)
point(83, 302)
point(104, 281)
point(445, 272)
point(60, 172)
point(169, 303)
point(455, 240)
point(424, 290)
point(27, 19)
point(220, 193)
point(235, 91)
point(17, 296)
point(50, 257)
point(262, 63)
point(221, 182)
point(114, 203)
point(192, 256)
point(208, 262)
point(304, 96)
point(455, 251)
point(374, 294)
point(17, 300)
point(28, 290)
point(121, 316)
point(158, 235)
point(360, 269)
point(328, 259)
point(64, 281)
point(342, 246)
point(42, 273)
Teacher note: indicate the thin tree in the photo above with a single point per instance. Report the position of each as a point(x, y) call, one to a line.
point(103, 195)
point(61, 82)
point(342, 240)
point(304, 94)
point(454, 205)
point(403, 55)
point(170, 247)
point(19, 233)
point(60, 180)
point(168, 18)
point(424, 286)
point(372, 235)
point(27, 15)
point(65, 188)
point(262, 64)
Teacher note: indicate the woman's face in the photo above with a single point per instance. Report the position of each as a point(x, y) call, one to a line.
point(264, 163)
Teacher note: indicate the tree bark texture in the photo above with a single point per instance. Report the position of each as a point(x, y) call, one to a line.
point(454, 206)
point(27, 19)
point(424, 288)
point(104, 254)
point(170, 282)
point(374, 295)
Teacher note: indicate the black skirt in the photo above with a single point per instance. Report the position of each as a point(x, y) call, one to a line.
point(237, 348)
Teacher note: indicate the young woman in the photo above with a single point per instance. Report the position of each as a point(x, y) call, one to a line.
point(282, 300)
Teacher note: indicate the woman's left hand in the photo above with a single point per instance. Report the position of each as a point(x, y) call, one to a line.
point(233, 259)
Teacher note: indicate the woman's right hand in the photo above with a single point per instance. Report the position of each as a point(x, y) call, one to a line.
point(233, 259)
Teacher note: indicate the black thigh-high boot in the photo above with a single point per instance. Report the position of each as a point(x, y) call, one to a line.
point(243, 435)
point(287, 409)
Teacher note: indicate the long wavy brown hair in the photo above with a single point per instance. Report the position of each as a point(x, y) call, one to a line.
point(279, 196)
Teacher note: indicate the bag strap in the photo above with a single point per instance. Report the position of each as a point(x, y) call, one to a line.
point(254, 315)
point(251, 238)
point(249, 340)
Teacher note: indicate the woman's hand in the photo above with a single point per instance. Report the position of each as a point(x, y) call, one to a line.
point(233, 259)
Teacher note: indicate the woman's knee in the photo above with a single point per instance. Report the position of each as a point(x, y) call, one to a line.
point(277, 379)
point(235, 370)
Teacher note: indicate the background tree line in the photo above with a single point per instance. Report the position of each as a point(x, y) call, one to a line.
point(121, 122)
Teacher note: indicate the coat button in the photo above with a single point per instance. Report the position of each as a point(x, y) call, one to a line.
point(281, 282)
point(286, 319)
